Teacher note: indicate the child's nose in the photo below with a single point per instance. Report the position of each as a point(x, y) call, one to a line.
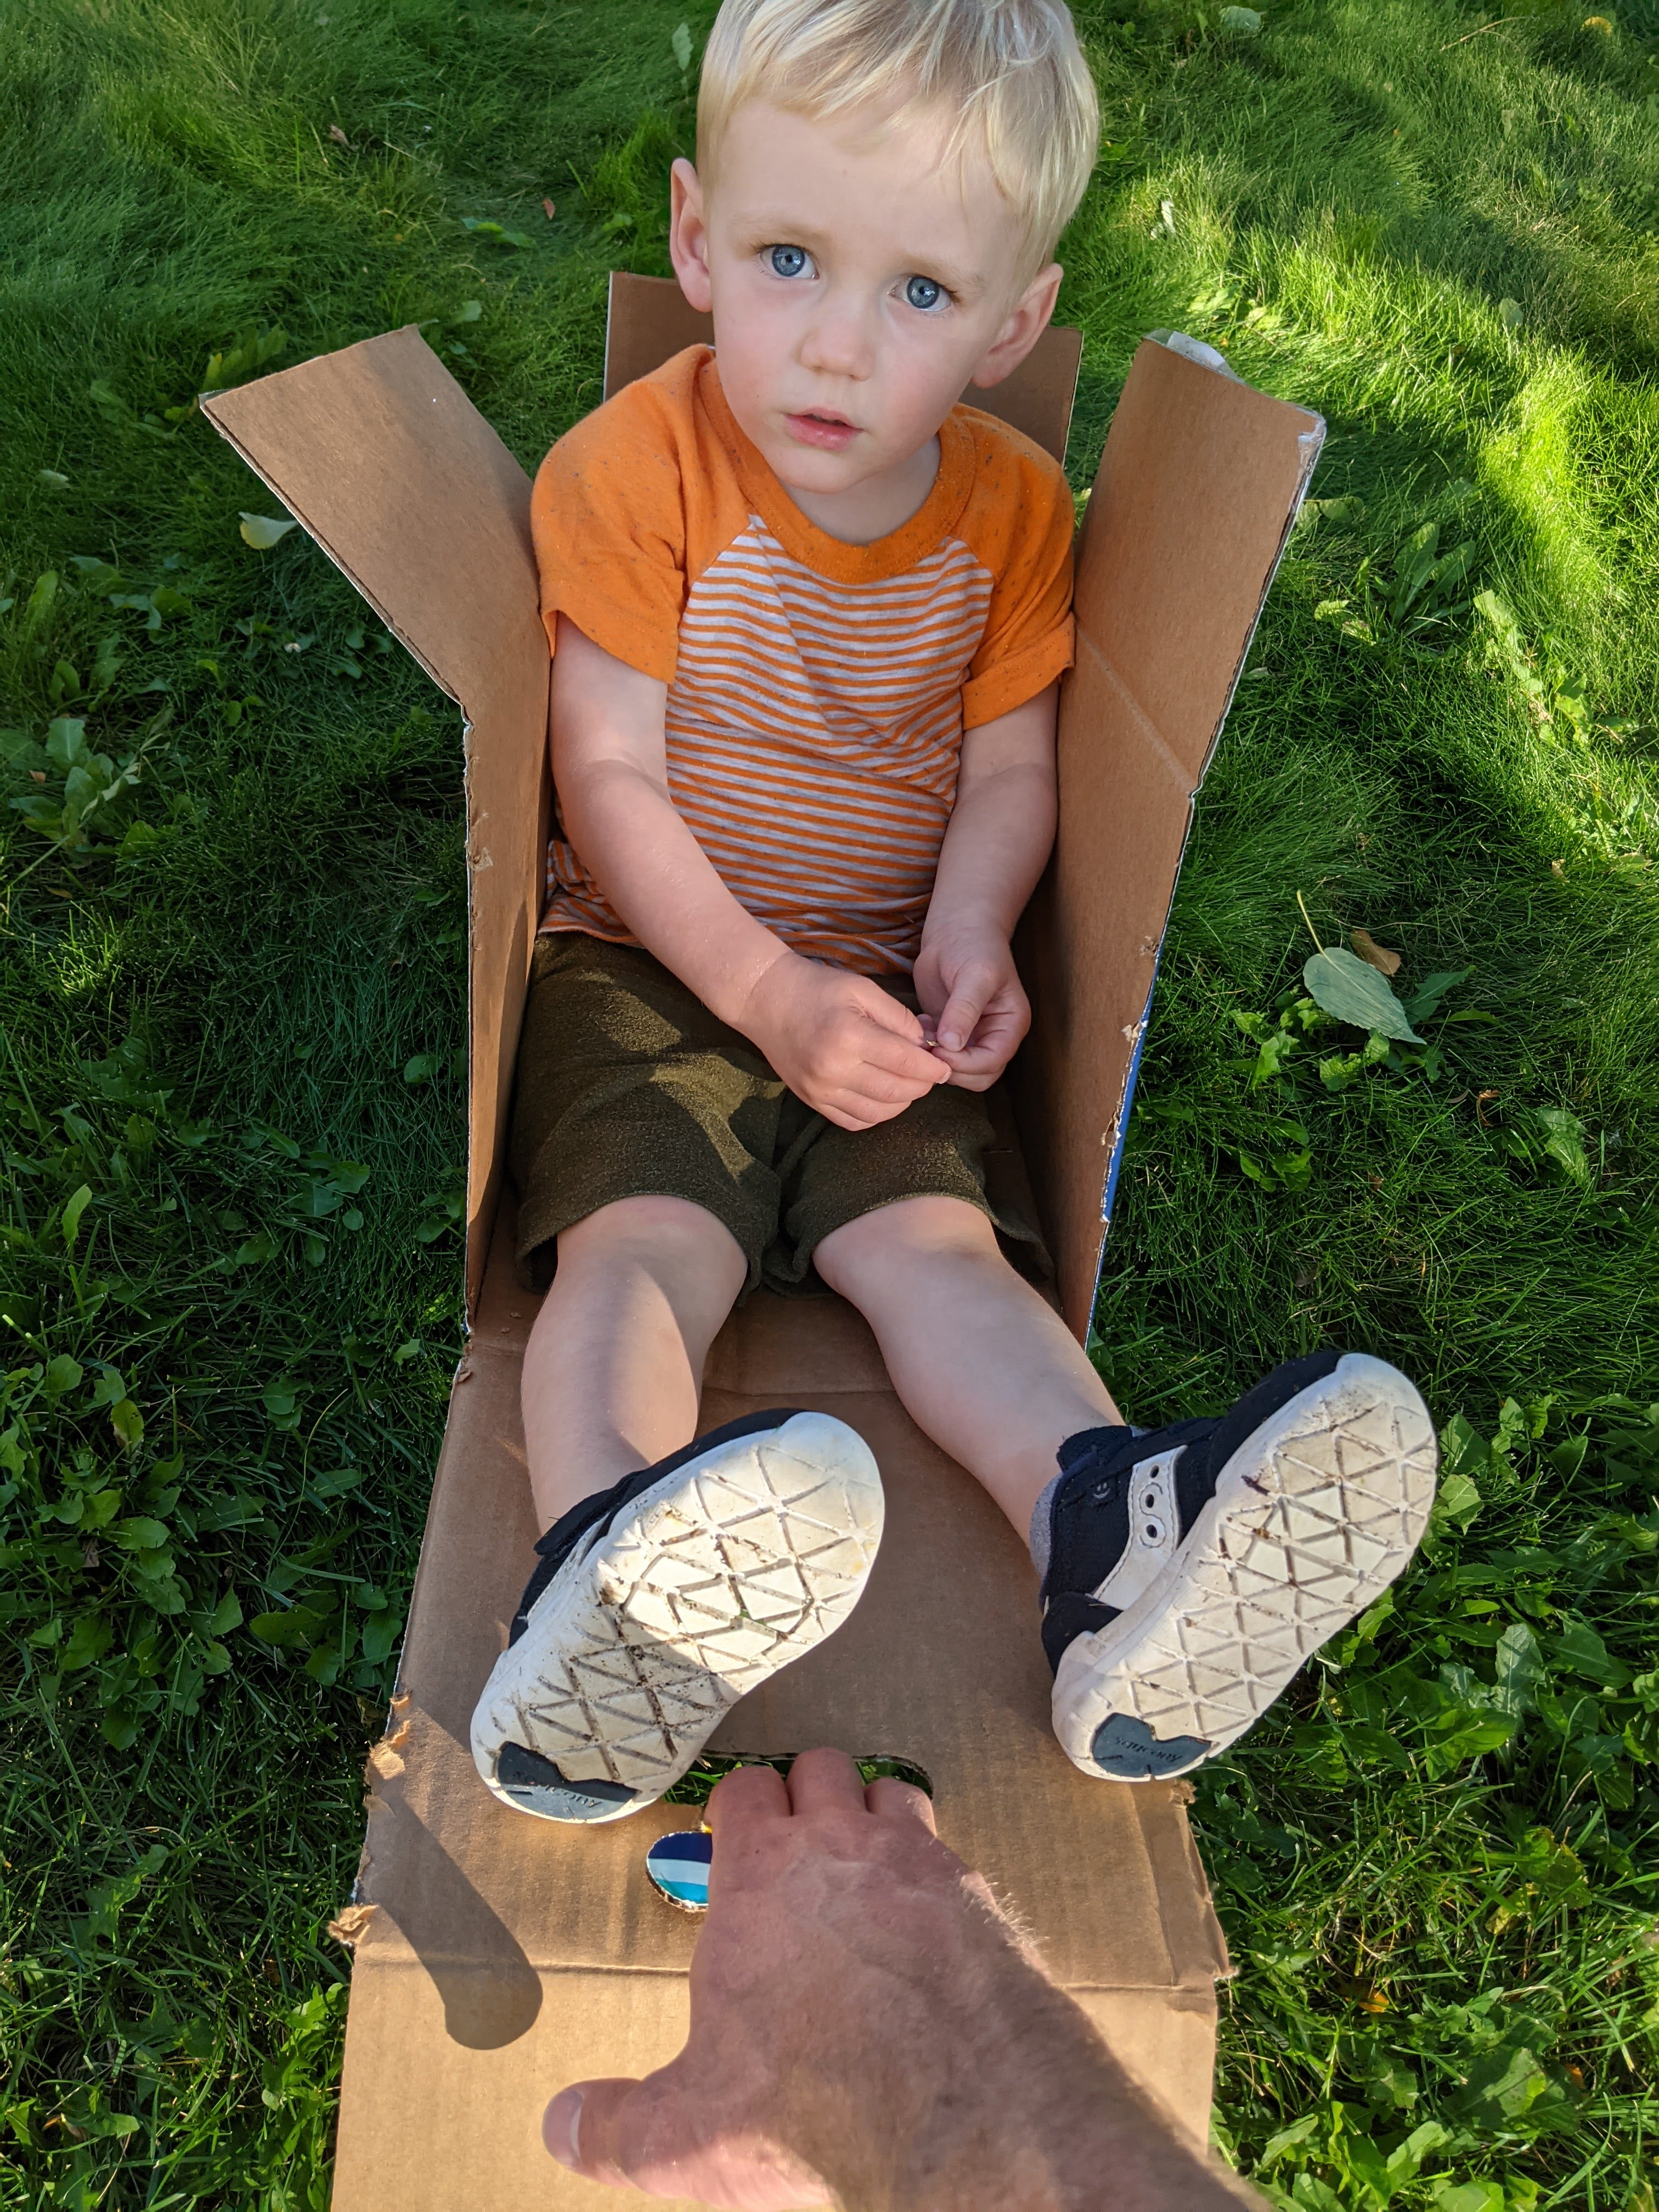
point(840, 341)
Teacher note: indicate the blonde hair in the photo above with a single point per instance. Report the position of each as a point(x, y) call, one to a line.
point(1009, 73)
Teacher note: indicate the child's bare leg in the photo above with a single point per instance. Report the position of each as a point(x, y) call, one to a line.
point(651, 1610)
point(980, 1360)
point(1188, 1571)
point(613, 1371)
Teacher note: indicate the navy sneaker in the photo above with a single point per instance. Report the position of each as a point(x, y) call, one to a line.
point(1191, 1570)
point(658, 1603)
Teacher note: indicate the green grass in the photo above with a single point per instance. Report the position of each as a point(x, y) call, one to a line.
point(242, 989)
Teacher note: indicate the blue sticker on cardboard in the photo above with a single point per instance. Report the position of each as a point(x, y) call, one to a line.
point(678, 1865)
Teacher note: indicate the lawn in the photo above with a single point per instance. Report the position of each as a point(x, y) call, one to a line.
point(231, 996)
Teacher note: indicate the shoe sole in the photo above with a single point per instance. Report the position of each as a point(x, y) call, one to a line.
point(1313, 1517)
point(704, 1585)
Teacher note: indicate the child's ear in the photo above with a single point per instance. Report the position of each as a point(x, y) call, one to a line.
point(688, 236)
point(1025, 327)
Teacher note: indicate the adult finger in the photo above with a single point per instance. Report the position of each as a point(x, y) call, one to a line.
point(744, 1798)
point(656, 2135)
point(824, 1781)
point(581, 2125)
point(889, 1799)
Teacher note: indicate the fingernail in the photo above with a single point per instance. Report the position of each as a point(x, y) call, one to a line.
point(950, 1040)
point(559, 2126)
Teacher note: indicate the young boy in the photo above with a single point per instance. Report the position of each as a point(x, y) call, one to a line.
point(808, 616)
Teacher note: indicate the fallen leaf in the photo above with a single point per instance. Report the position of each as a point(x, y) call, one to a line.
point(339, 136)
point(261, 532)
point(1479, 1106)
point(55, 478)
point(1556, 868)
point(548, 209)
point(1375, 955)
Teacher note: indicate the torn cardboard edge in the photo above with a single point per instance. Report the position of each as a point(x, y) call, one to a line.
point(496, 1956)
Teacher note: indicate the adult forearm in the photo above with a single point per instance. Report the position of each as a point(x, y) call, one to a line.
point(1008, 2099)
point(1049, 2123)
point(663, 885)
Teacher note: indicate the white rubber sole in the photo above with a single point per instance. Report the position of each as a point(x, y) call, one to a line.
point(703, 1586)
point(1312, 1519)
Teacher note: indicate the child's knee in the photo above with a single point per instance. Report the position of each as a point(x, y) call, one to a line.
point(650, 1226)
point(931, 1231)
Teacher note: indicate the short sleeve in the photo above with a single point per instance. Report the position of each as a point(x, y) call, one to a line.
point(1024, 525)
point(608, 518)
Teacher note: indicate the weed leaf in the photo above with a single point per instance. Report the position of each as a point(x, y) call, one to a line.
point(72, 1212)
point(1344, 988)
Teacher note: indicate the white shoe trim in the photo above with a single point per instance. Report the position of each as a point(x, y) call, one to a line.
point(1154, 1531)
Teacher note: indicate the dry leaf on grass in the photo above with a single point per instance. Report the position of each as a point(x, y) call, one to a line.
point(1374, 954)
point(548, 209)
point(339, 136)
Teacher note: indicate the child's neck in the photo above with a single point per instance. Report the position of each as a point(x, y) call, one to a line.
point(879, 505)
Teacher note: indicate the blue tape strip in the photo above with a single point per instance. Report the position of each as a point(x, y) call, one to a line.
point(1129, 1082)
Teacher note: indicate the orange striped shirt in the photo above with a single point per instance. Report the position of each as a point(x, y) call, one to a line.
point(818, 692)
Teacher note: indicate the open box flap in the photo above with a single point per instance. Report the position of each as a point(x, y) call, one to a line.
point(382, 456)
point(1198, 488)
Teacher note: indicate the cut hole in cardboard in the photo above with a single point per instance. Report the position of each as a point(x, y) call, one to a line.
point(696, 1787)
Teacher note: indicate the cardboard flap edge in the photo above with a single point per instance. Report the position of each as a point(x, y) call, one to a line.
point(214, 405)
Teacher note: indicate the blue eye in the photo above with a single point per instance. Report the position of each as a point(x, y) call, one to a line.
point(787, 260)
point(922, 292)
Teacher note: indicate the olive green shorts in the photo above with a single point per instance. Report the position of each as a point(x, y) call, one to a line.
point(628, 1087)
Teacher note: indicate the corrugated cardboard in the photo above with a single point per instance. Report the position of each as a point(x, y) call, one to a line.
point(498, 1957)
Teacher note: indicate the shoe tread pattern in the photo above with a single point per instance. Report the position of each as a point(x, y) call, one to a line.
point(689, 1601)
point(1344, 1497)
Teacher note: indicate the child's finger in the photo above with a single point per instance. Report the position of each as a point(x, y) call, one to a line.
point(895, 1059)
point(888, 1013)
point(971, 994)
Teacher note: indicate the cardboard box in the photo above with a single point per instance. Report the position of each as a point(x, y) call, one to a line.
point(498, 1957)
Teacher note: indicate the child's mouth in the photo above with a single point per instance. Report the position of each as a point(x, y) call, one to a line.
point(830, 432)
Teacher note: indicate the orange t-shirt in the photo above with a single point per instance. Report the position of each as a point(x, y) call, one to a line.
point(816, 691)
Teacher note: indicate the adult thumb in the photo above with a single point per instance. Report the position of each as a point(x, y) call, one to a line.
point(655, 2136)
point(640, 2134)
point(579, 2127)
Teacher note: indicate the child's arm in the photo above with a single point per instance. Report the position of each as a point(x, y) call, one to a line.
point(1000, 834)
point(838, 1040)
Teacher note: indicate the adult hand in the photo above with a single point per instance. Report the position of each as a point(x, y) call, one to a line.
point(974, 1006)
point(850, 1049)
point(867, 2029)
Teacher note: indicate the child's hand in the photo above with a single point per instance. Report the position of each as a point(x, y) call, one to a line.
point(975, 1010)
point(840, 1042)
